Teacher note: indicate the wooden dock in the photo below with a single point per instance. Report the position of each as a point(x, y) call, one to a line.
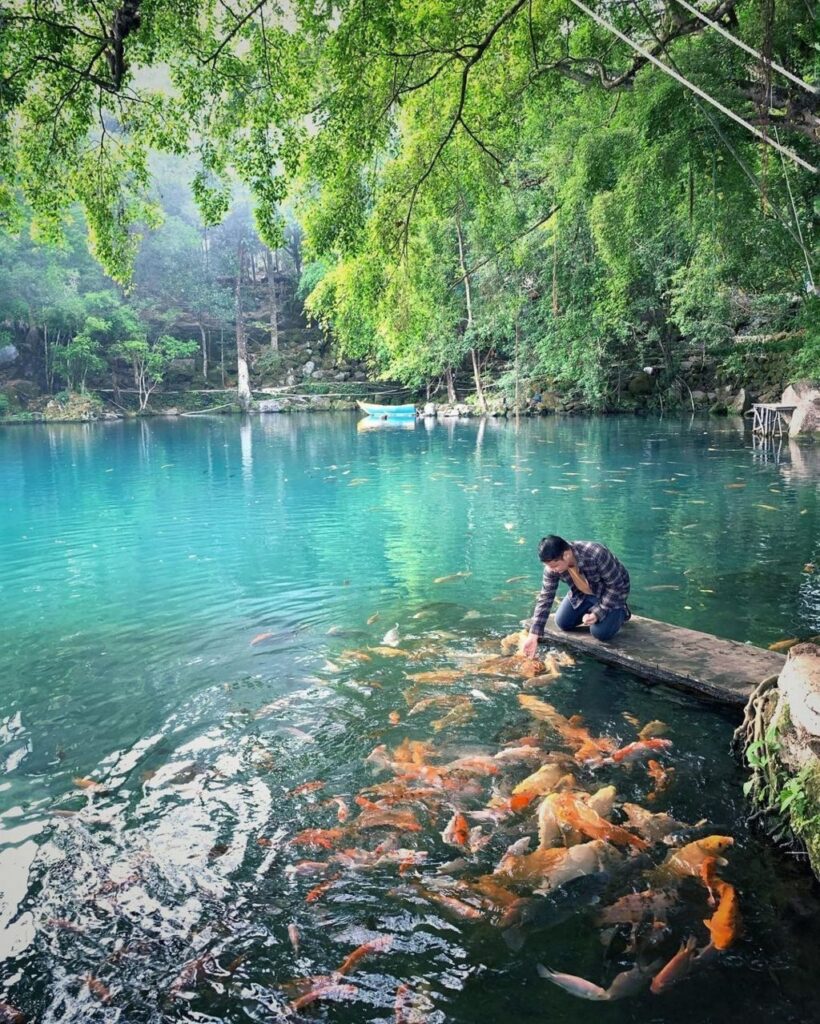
point(770, 417)
point(699, 663)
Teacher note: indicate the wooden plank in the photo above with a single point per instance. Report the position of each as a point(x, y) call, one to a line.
point(708, 666)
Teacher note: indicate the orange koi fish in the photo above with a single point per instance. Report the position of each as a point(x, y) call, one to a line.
point(91, 784)
point(343, 812)
point(451, 904)
point(575, 814)
point(377, 818)
point(394, 718)
point(377, 945)
point(305, 787)
point(661, 776)
point(708, 875)
point(326, 838)
point(97, 988)
point(678, 967)
point(457, 832)
point(319, 890)
point(324, 990)
point(688, 859)
point(638, 750)
point(725, 924)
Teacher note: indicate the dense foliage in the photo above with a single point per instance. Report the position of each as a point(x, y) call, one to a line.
point(504, 182)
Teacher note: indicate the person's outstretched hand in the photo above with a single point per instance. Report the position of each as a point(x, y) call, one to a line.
point(530, 646)
point(590, 619)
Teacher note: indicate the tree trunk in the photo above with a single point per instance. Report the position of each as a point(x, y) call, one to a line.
point(204, 353)
point(452, 397)
point(271, 266)
point(243, 388)
point(468, 294)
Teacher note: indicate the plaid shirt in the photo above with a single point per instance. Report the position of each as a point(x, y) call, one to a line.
point(606, 576)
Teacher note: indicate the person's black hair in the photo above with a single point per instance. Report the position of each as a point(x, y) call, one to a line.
point(551, 548)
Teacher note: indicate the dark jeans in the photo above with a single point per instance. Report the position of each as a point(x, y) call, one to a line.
point(567, 618)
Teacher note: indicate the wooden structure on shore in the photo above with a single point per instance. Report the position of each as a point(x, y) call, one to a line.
point(699, 663)
point(770, 418)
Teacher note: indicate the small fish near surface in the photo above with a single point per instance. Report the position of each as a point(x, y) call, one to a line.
point(452, 577)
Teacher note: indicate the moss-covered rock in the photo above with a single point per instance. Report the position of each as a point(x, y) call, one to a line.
point(781, 745)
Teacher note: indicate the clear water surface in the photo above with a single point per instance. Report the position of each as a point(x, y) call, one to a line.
point(142, 561)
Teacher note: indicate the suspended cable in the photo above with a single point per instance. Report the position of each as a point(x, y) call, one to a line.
point(694, 88)
point(750, 50)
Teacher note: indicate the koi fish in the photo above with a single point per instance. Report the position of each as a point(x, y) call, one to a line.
point(439, 676)
point(460, 713)
point(326, 990)
point(635, 906)
point(452, 577)
point(577, 815)
point(391, 637)
point(11, 1015)
point(784, 645)
point(450, 904)
point(90, 784)
point(442, 700)
point(378, 818)
point(192, 973)
point(662, 777)
point(319, 890)
point(97, 988)
point(354, 656)
point(373, 618)
point(654, 827)
point(516, 754)
point(708, 875)
point(307, 867)
point(325, 838)
point(394, 718)
point(305, 787)
point(457, 832)
point(575, 986)
point(542, 781)
point(677, 968)
point(688, 859)
point(725, 925)
point(377, 945)
point(653, 729)
point(389, 652)
point(343, 812)
point(638, 750)
point(476, 764)
point(260, 638)
point(293, 935)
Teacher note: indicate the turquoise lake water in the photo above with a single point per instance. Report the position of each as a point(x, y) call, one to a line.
point(143, 561)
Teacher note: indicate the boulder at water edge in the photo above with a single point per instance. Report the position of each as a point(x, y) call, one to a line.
point(805, 396)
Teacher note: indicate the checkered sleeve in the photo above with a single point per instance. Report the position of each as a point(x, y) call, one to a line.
point(544, 602)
